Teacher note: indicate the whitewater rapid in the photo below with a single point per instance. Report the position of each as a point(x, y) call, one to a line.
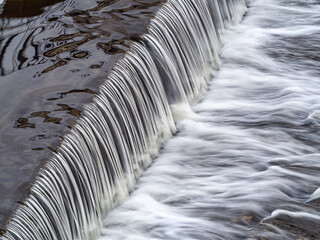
point(245, 161)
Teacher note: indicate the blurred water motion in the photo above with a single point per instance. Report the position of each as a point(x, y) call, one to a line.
point(245, 161)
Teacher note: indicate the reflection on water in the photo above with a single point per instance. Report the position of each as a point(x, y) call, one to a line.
point(110, 48)
point(24, 123)
point(54, 54)
point(63, 94)
point(27, 39)
point(25, 8)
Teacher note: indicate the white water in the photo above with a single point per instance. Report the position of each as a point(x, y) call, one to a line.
point(245, 162)
point(123, 128)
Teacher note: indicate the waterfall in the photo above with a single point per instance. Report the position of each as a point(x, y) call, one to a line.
point(123, 128)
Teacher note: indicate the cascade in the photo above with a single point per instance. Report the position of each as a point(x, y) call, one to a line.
point(125, 125)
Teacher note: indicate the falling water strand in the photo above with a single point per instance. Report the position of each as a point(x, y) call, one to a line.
point(127, 122)
point(244, 163)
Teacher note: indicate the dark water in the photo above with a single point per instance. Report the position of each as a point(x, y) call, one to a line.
point(53, 57)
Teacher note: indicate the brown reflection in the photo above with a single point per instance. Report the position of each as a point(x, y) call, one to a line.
point(23, 123)
point(110, 48)
point(26, 8)
point(82, 54)
point(84, 17)
point(21, 203)
point(88, 19)
point(68, 37)
point(72, 111)
point(54, 19)
point(79, 91)
point(68, 46)
point(58, 64)
point(63, 94)
point(44, 115)
point(40, 137)
point(37, 149)
point(52, 99)
point(95, 66)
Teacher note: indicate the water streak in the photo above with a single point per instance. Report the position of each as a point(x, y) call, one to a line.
point(121, 131)
point(245, 163)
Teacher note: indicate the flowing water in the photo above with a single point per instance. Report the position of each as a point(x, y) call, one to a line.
point(245, 161)
point(121, 130)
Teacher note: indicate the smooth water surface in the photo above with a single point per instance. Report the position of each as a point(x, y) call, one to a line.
point(245, 163)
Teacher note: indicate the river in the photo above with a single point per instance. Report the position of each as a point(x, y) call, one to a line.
point(245, 161)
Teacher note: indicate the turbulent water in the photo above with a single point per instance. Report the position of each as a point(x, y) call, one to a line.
point(245, 162)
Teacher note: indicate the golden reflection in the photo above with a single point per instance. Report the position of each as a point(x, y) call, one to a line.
point(95, 66)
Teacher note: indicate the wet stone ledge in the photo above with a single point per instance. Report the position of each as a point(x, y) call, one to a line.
point(54, 55)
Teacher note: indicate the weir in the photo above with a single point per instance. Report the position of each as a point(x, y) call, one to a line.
point(122, 129)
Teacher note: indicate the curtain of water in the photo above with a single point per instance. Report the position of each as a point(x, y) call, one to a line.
point(123, 128)
point(244, 163)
